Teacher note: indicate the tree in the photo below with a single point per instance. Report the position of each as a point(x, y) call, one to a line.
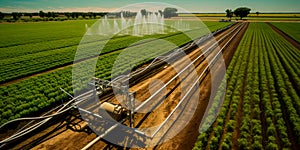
point(68, 15)
point(257, 13)
point(53, 14)
point(49, 14)
point(242, 12)
point(15, 15)
point(83, 15)
point(143, 12)
point(90, 14)
point(160, 12)
point(74, 15)
point(229, 13)
point(41, 14)
point(170, 12)
point(1, 15)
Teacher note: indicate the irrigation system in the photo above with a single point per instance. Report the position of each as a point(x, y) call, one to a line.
point(121, 114)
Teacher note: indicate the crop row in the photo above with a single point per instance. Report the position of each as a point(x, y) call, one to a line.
point(257, 111)
point(33, 63)
point(24, 33)
point(46, 59)
point(37, 93)
point(292, 29)
point(32, 95)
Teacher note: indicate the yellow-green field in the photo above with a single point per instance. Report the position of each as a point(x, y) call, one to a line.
point(275, 15)
point(252, 16)
point(282, 15)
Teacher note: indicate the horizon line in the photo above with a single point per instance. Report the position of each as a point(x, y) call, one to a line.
point(262, 12)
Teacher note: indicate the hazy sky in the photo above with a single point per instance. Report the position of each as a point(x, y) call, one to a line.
point(110, 5)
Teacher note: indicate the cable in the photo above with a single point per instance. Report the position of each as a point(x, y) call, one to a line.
point(46, 118)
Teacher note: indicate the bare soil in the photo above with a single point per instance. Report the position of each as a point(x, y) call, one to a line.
point(187, 137)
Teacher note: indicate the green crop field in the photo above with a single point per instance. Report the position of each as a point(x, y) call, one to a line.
point(200, 75)
point(292, 29)
point(31, 33)
point(261, 105)
point(53, 44)
point(41, 50)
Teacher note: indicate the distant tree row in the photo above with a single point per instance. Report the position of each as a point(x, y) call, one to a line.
point(67, 15)
point(167, 12)
point(46, 16)
point(239, 12)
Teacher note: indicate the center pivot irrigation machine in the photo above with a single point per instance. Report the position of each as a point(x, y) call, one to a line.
point(109, 105)
point(115, 111)
point(121, 113)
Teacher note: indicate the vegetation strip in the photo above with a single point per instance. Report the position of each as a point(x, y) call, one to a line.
point(26, 65)
point(267, 104)
point(39, 92)
point(290, 35)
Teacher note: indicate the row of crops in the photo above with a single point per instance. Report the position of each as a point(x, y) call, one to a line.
point(27, 33)
point(26, 59)
point(33, 63)
point(292, 29)
point(261, 104)
point(39, 92)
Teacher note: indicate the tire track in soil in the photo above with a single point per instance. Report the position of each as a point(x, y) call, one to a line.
point(191, 130)
point(158, 118)
point(206, 97)
point(173, 103)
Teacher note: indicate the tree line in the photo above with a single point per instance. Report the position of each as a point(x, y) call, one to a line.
point(55, 16)
point(239, 12)
point(14, 16)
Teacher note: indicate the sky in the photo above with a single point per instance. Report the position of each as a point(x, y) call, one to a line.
point(112, 5)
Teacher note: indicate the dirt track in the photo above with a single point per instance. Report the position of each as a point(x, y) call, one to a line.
point(187, 137)
point(67, 139)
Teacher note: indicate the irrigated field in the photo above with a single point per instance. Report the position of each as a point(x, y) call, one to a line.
point(141, 87)
point(261, 106)
point(42, 50)
point(291, 29)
